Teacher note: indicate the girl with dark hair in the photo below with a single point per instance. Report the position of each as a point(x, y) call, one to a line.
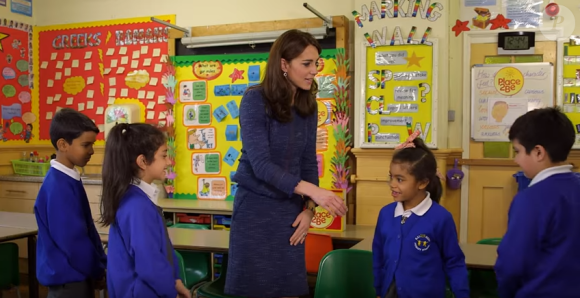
point(142, 262)
point(415, 248)
point(277, 175)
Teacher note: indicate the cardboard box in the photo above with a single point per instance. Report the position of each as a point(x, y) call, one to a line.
point(323, 221)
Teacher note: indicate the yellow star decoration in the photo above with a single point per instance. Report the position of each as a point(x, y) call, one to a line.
point(2, 36)
point(413, 60)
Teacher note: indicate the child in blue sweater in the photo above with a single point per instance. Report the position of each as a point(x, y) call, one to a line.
point(538, 256)
point(69, 251)
point(142, 262)
point(415, 248)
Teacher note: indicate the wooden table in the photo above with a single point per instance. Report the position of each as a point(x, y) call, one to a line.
point(17, 226)
point(217, 241)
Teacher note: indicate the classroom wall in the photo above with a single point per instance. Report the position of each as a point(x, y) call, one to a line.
point(189, 12)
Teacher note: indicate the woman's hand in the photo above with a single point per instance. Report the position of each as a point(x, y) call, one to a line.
point(329, 201)
point(182, 291)
point(302, 224)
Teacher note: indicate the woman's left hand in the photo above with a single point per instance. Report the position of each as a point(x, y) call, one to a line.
point(302, 224)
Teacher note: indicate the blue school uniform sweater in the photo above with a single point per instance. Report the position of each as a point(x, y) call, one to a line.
point(418, 255)
point(69, 248)
point(539, 255)
point(138, 246)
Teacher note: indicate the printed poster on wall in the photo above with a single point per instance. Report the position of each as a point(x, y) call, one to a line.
point(23, 7)
point(400, 95)
point(91, 66)
point(17, 119)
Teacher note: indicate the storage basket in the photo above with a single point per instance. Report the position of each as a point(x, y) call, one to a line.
point(30, 168)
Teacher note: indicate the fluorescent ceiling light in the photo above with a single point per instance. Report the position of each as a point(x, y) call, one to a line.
point(243, 38)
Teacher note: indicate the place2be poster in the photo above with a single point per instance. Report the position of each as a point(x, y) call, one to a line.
point(17, 118)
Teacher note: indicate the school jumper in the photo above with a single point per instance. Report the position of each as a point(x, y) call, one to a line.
point(275, 158)
point(538, 256)
point(69, 250)
point(142, 262)
point(415, 259)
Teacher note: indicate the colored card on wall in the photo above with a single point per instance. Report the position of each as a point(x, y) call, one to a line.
point(206, 163)
point(220, 113)
point(201, 138)
point(211, 188)
point(233, 189)
point(231, 156)
point(232, 132)
point(199, 90)
point(239, 89)
point(254, 73)
point(196, 114)
point(233, 108)
point(222, 90)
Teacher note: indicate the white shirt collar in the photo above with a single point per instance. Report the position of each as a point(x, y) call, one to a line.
point(545, 173)
point(420, 209)
point(73, 173)
point(150, 190)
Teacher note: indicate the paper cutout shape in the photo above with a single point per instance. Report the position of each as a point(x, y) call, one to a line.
point(207, 70)
point(254, 72)
point(199, 90)
point(325, 87)
point(236, 75)
point(8, 91)
point(233, 108)
point(233, 189)
point(239, 89)
point(500, 22)
point(460, 26)
point(185, 91)
point(211, 188)
point(220, 113)
point(231, 156)
point(11, 111)
point(232, 133)
point(201, 138)
point(221, 90)
point(232, 174)
point(252, 84)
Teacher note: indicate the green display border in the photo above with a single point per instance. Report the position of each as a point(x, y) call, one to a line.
point(185, 61)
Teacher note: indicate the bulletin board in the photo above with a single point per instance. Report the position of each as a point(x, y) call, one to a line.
point(570, 98)
point(17, 118)
point(207, 133)
point(90, 66)
point(500, 93)
point(399, 95)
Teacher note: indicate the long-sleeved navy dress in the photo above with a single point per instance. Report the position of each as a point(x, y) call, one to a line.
point(275, 158)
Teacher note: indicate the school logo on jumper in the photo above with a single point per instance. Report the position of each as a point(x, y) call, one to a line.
point(422, 242)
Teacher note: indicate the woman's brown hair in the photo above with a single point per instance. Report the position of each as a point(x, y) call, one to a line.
point(277, 89)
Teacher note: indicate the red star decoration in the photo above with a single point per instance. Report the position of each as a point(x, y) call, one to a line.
point(500, 22)
point(460, 27)
point(237, 75)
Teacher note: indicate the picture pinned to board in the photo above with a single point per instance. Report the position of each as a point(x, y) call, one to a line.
point(17, 121)
point(211, 188)
point(206, 163)
point(398, 92)
point(193, 91)
point(201, 138)
point(197, 114)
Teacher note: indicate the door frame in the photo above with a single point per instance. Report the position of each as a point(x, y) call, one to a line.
point(477, 37)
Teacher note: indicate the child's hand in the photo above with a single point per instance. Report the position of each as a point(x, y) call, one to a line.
point(182, 291)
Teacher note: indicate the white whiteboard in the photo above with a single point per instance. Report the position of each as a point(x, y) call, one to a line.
point(499, 96)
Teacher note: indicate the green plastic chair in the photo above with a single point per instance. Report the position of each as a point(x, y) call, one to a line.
point(9, 271)
point(345, 273)
point(215, 289)
point(483, 283)
point(197, 264)
point(181, 267)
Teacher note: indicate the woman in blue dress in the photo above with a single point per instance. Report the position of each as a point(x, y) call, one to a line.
point(277, 175)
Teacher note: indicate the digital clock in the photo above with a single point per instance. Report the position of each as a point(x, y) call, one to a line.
point(516, 43)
